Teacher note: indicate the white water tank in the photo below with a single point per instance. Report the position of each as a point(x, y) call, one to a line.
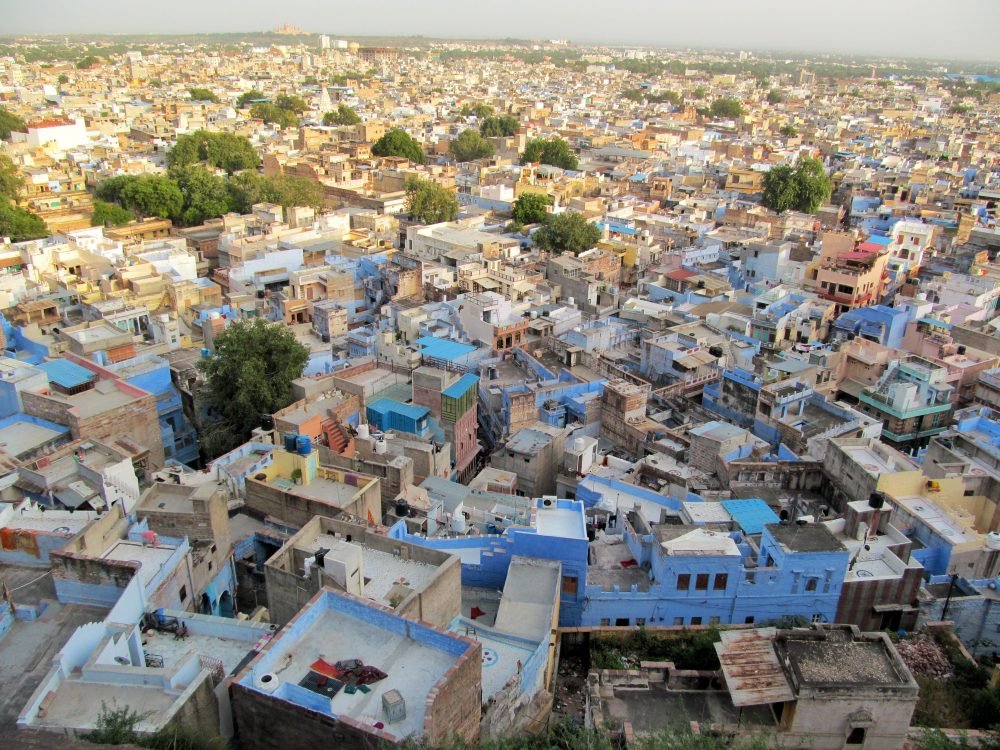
point(993, 540)
point(579, 444)
point(363, 431)
point(268, 682)
point(381, 447)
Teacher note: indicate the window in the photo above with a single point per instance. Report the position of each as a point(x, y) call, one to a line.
point(184, 593)
point(713, 620)
point(680, 621)
point(810, 584)
point(701, 582)
point(640, 621)
point(683, 581)
point(721, 579)
point(605, 622)
point(622, 622)
point(856, 737)
point(569, 585)
point(748, 620)
point(696, 621)
point(818, 617)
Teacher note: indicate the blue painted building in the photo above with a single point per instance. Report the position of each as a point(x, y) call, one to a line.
point(734, 397)
point(878, 323)
point(386, 414)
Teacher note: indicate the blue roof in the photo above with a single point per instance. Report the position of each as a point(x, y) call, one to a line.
point(876, 239)
point(67, 374)
point(460, 386)
point(388, 406)
point(751, 515)
point(443, 348)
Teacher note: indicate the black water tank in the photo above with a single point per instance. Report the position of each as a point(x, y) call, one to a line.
point(326, 338)
point(876, 500)
point(267, 421)
point(402, 509)
point(961, 350)
point(715, 351)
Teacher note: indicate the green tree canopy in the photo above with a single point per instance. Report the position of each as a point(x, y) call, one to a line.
point(248, 97)
point(803, 188)
point(727, 108)
point(88, 61)
point(250, 374)
point(775, 96)
point(530, 208)
point(271, 113)
point(10, 181)
point(469, 146)
point(109, 215)
point(480, 111)
point(20, 224)
point(429, 203)
point(227, 151)
point(498, 127)
point(200, 94)
point(10, 123)
point(292, 103)
point(554, 151)
point(248, 188)
point(205, 194)
point(788, 131)
point(567, 231)
point(343, 115)
point(397, 143)
point(145, 195)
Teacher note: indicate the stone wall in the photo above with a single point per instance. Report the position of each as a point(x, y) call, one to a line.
point(454, 704)
point(85, 580)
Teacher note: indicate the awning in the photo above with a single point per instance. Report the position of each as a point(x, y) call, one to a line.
point(751, 668)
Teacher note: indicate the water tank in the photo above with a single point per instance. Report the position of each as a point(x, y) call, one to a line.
point(214, 316)
point(303, 445)
point(993, 540)
point(363, 431)
point(534, 314)
point(266, 421)
point(380, 447)
point(961, 350)
point(325, 338)
point(579, 444)
point(876, 500)
point(402, 508)
point(458, 523)
point(290, 441)
point(206, 353)
point(571, 302)
point(267, 682)
point(164, 318)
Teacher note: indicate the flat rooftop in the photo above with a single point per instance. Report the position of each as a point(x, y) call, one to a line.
point(335, 628)
point(23, 437)
point(151, 559)
point(933, 516)
point(811, 537)
point(328, 491)
point(838, 659)
point(567, 523)
point(876, 463)
point(172, 498)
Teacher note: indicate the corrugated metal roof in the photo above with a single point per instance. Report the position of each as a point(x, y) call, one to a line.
point(67, 374)
point(750, 514)
point(753, 673)
point(386, 406)
point(443, 348)
point(460, 386)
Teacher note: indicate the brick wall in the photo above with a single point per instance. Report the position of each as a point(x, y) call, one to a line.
point(454, 704)
point(86, 580)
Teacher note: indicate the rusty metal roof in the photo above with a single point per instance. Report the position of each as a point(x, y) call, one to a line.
point(751, 668)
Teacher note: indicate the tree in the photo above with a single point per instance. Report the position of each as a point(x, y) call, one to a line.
point(145, 195)
point(19, 224)
point(554, 151)
point(530, 208)
point(397, 143)
point(250, 374)
point(109, 215)
point(230, 152)
point(804, 188)
point(344, 115)
point(775, 96)
point(429, 203)
point(199, 94)
point(469, 146)
point(205, 194)
point(729, 109)
point(10, 123)
point(294, 190)
point(87, 62)
point(788, 131)
point(291, 103)
point(272, 113)
point(249, 97)
point(63, 78)
point(567, 231)
point(480, 111)
point(10, 181)
point(498, 127)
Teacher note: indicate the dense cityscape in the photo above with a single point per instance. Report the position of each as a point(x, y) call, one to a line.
point(368, 392)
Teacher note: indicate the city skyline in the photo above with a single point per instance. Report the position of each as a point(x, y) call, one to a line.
point(777, 25)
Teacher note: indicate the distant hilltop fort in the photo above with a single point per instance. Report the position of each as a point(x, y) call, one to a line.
point(289, 30)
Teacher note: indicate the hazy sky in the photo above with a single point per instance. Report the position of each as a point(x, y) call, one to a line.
point(919, 28)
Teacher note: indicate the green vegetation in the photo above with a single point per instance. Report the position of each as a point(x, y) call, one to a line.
point(554, 151)
point(227, 151)
point(248, 188)
point(788, 131)
point(16, 223)
point(205, 194)
point(530, 208)
point(568, 231)
point(10, 181)
point(729, 109)
point(496, 127)
point(429, 203)
point(10, 123)
point(344, 79)
point(804, 188)
point(480, 111)
point(638, 95)
point(110, 215)
point(116, 726)
point(199, 94)
point(694, 651)
point(397, 143)
point(247, 97)
point(343, 115)
point(272, 113)
point(775, 96)
point(965, 700)
point(144, 195)
point(935, 739)
point(87, 62)
point(469, 146)
point(291, 103)
point(250, 374)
